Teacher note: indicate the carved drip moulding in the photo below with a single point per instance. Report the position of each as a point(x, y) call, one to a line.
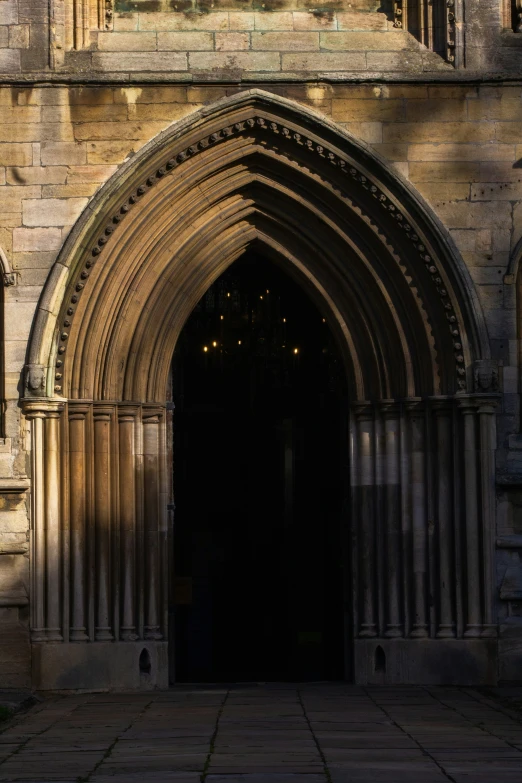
point(262, 124)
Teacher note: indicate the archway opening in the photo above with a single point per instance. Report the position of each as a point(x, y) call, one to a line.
point(260, 475)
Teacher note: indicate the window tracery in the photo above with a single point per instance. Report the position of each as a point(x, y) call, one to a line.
point(82, 16)
point(432, 22)
point(516, 15)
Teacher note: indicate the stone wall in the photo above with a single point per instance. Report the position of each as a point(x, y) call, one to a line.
point(280, 42)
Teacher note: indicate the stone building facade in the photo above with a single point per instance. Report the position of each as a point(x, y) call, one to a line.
point(374, 146)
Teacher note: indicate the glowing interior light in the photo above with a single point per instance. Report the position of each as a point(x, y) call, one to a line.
point(239, 342)
point(296, 350)
point(260, 297)
point(228, 294)
point(267, 291)
point(205, 348)
point(284, 320)
point(222, 317)
point(324, 320)
point(214, 344)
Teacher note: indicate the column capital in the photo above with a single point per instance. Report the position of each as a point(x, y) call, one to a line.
point(152, 414)
point(42, 408)
point(103, 412)
point(128, 412)
point(484, 403)
point(77, 410)
point(389, 408)
point(468, 404)
point(363, 409)
point(441, 405)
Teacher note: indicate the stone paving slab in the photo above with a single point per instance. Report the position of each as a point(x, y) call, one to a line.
point(291, 777)
point(268, 734)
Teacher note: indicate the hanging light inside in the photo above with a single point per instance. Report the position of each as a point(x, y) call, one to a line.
point(205, 349)
point(214, 344)
point(296, 350)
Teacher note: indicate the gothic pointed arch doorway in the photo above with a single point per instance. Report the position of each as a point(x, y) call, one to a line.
point(258, 171)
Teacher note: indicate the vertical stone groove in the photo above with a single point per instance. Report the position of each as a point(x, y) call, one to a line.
point(78, 509)
point(102, 515)
point(127, 425)
point(151, 483)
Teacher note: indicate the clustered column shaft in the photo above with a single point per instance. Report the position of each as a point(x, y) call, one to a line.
point(364, 508)
point(151, 469)
point(416, 428)
point(423, 517)
point(98, 523)
point(78, 513)
point(127, 477)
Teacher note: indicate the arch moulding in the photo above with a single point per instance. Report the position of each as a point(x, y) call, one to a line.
point(256, 169)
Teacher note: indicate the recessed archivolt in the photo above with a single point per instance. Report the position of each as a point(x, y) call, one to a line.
point(170, 269)
point(254, 169)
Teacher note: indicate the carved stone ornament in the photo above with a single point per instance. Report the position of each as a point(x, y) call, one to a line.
point(35, 380)
point(109, 14)
point(486, 378)
point(9, 278)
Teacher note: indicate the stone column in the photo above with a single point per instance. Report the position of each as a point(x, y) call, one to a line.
point(417, 431)
point(392, 517)
point(52, 493)
point(127, 416)
point(36, 418)
point(46, 544)
point(151, 478)
point(473, 591)
point(365, 489)
point(164, 500)
point(444, 515)
point(487, 429)
point(78, 514)
point(102, 515)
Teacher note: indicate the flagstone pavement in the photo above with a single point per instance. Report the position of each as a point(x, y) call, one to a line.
point(312, 733)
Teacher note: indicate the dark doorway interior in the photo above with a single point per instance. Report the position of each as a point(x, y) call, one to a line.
point(260, 439)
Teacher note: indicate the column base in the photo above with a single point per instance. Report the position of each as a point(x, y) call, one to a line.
point(426, 662)
point(78, 635)
point(99, 666)
point(419, 632)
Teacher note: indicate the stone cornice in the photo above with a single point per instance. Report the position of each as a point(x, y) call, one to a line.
point(10, 486)
point(49, 79)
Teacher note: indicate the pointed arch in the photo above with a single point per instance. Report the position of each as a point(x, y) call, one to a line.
point(256, 168)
